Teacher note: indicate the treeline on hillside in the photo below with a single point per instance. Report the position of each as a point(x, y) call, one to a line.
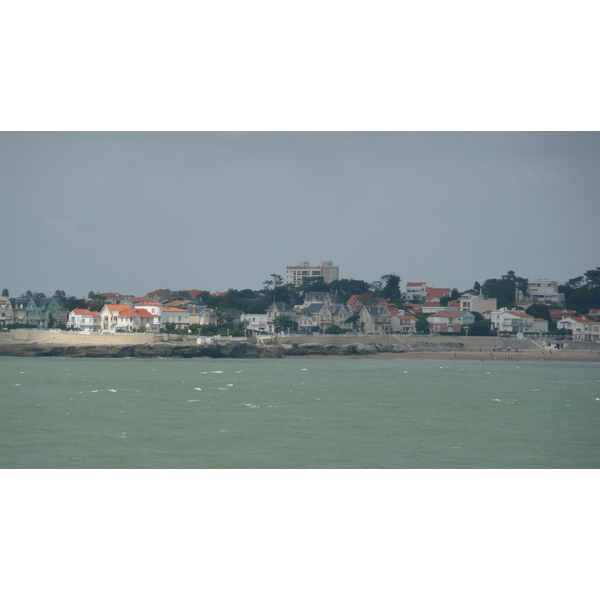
point(582, 293)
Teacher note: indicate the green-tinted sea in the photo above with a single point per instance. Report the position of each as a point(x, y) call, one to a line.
point(297, 413)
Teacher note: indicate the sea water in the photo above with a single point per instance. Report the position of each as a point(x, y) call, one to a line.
point(297, 413)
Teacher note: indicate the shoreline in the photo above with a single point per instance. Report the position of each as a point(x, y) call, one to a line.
point(449, 352)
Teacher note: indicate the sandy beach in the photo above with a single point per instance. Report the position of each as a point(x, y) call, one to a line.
point(530, 355)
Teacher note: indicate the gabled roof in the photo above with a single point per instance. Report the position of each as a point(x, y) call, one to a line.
point(581, 319)
point(405, 317)
point(437, 293)
point(135, 312)
point(377, 310)
point(114, 307)
point(449, 315)
point(194, 293)
point(281, 306)
point(314, 308)
point(323, 297)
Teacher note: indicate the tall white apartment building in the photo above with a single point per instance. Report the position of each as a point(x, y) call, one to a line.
point(325, 268)
point(545, 291)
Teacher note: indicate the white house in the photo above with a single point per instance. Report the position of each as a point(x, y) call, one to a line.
point(108, 316)
point(74, 320)
point(131, 319)
point(584, 329)
point(451, 321)
point(6, 312)
point(155, 309)
point(176, 316)
point(540, 326)
point(90, 321)
point(258, 323)
point(417, 290)
point(512, 321)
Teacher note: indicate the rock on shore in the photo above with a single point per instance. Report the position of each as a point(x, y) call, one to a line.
point(219, 350)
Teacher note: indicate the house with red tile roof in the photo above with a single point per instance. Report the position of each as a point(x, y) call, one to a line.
point(559, 314)
point(131, 319)
point(584, 329)
point(450, 321)
point(436, 294)
point(74, 320)
point(108, 316)
point(514, 321)
point(417, 290)
point(90, 321)
point(119, 317)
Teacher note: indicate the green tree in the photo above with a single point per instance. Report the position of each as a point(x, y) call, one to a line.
point(352, 319)
point(540, 311)
point(70, 302)
point(506, 289)
point(582, 293)
point(313, 284)
point(283, 322)
point(422, 326)
point(391, 286)
point(334, 330)
point(593, 277)
point(348, 287)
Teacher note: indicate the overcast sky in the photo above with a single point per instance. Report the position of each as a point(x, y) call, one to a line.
point(132, 212)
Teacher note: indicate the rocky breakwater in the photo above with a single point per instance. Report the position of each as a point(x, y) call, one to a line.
point(217, 350)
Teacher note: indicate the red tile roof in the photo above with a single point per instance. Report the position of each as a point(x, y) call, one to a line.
point(194, 293)
point(437, 293)
point(115, 307)
point(135, 312)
